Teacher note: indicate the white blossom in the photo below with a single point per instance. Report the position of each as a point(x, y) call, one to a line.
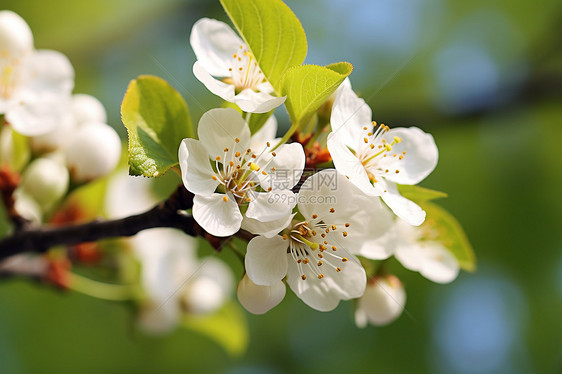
point(228, 69)
point(382, 303)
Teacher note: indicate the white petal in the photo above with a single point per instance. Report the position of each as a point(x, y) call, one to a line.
point(431, 259)
point(196, 171)
point(420, 158)
point(402, 207)
point(87, 108)
point(45, 180)
point(226, 91)
point(257, 102)
point(37, 113)
point(350, 166)
point(219, 128)
point(56, 138)
point(258, 299)
point(288, 164)
point(16, 39)
point(349, 115)
point(381, 237)
point(266, 134)
point(267, 229)
point(210, 287)
point(271, 206)
point(383, 301)
point(50, 71)
point(214, 43)
point(158, 320)
point(127, 195)
point(324, 294)
point(266, 260)
point(217, 216)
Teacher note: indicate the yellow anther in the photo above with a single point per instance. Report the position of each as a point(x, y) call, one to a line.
point(269, 145)
point(303, 277)
point(225, 198)
point(333, 227)
point(369, 133)
point(319, 263)
point(264, 173)
point(386, 170)
point(372, 146)
point(397, 171)
point(314, 216)
point(284, 236)
point(397, 139)
point(365, 128)
point(240, 69)
point(366, 140)
point(218, 158)
point(214, 177)
point(320, 276)
point(237, 140)
point(344, 233)
point(226, 150)
point(344, 259)
point(334, 248)
point(231, 163)
point(234, 55)
point(388, 147)
point(347, 225)
point(237, 154)
point(338, 269)
point(323, 235)
point(273, 154)
point(313, 233)
point(400, 157)
point(254, 166)
point(332, 210)
point(374, 123)
point(269, 189)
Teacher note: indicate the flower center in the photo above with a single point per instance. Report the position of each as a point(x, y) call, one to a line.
point(375, 152)
point(239, 171)
point(245, 71)
point(316, 248)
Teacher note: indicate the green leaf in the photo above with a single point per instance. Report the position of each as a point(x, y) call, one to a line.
point(257, 120)
point(228, 327)
point(14, 148)
point(419, 194)
point(307, 87)
point(157, 119)
point(272, 32)
point(451, 235)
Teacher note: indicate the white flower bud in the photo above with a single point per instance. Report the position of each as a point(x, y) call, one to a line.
point(92, 151)
point(382, 302)
point(46, 181)
point(259, 299)
point(27, 207)
point(87, 108)
point(16, 39)
point(55, 139)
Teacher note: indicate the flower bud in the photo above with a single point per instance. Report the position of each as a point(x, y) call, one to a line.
point(259, 299)
point(46, 181)
point(87, 108)
point(92, 151)
point(27, 207)
point(382, 302)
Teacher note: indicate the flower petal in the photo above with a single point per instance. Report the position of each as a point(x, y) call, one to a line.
point(219, 128)
point(430, 259)
point(271, 206)
point(402, 207)
point(226, 91)
point(16, 39)
point(266, 260)
point(258, 299)
point(214, 43)
point(349, 115)
point(285, 169)
point(350, 166)
point(266, 134)
point(196, 171)
point(37, 113)
point(217, 216)
point(383, 301)
point(50, 71)
point(420, 158)
point(257, 102)
point(267, 229)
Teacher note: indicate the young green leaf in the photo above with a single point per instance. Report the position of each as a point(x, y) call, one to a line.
point(272, 32)
point(451, 235)
point(14, 148)
point(157, 119)
point(419, 194)
point(307, 87)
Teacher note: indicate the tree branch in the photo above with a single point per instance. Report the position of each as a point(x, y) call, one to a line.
point(165, 214)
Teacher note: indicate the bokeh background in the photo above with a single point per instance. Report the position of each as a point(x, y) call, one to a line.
point(484, 77)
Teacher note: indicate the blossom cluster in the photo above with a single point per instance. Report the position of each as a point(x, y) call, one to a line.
point(312, 232)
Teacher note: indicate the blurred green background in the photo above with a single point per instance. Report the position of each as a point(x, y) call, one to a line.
point(484, 77)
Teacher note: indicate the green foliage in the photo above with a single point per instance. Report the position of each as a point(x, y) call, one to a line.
point(157, 119)
point(14, 148)
point(257, 120)
point(419, 194)
point(451, 235)
point(228, 327)
point(307, 87)
point(272, 32)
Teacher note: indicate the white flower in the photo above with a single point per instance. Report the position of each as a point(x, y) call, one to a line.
point(315, 252)
point(92, 151)
point(419, 249)
point(382, 303)
point(175, 281)
point(35, 86)
point(259, 299)
point(224, 173)
point(221, 53)
point(376, 158)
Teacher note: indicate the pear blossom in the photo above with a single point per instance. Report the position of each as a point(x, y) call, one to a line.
point(226, 174)
point(382, 302)
point(315, 252)
point(375, 158)
point(258, 299)
point(175, 280)
point(228, 69)
point(35, 85)
point(419, 249)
